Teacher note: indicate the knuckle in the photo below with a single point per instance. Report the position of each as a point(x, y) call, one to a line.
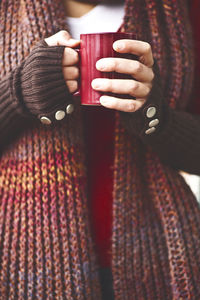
point(130, 107)
point(148, 90)
point(75, 56)
point(134, 86)
point(63, 34)
point(66, 51)
point(137, 67)
point(75, 72)
point(115, 104)
point(70, 56)
point(108, 84)
point(152, 75)
point(147, 47)
point(72, 85)
point(113, 64)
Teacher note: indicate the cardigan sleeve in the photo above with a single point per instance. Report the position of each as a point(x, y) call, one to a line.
point(34, 89)
point(176, 138)
point(173, 134)
point(194, 11)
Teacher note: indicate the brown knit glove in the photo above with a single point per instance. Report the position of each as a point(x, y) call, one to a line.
point(176, 138)
point(39, 87)
point(154, 111)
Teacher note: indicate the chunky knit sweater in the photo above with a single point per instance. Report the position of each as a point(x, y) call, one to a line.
point(46, 245)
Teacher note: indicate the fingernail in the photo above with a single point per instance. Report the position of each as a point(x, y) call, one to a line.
point(100, 65)
point(118, 45)
point(103, 100)
point(96, 84)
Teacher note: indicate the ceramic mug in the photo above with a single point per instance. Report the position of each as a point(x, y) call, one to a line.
point(93, 47)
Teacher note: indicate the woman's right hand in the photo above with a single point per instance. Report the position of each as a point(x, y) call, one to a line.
point(45, 81)
point(70, 57)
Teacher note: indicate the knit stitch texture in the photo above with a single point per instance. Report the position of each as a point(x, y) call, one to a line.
point(46, 246)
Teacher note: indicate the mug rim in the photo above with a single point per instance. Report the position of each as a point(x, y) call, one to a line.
point(106, 33)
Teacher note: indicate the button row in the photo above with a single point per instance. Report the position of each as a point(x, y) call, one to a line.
point(59, 115)
point(150, 113)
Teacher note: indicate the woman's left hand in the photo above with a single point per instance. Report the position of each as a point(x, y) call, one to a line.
point(141, 70)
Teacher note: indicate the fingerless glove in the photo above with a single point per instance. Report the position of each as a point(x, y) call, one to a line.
point(38, 85)
point(34, 90)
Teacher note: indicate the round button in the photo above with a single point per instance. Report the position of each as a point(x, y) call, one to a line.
point(69, 108)
point(59, 115)
point(45, 120)
point(154, 122)
point(150, 130)
point(151, 111)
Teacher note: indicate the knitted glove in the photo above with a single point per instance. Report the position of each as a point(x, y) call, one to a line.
point(38, 86)
point(147, 121)
point(176, 135)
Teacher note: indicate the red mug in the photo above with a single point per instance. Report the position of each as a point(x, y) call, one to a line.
point(93, 47)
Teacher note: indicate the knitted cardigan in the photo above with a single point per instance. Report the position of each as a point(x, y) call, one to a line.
point(46, 246)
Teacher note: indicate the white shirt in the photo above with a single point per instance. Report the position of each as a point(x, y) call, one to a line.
point(102, 18)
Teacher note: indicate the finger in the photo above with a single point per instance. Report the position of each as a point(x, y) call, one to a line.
point(126, 105)
point(62, 38)
point(121, 86)
point(70, 73)
point(70, 57)
point(126, 66)
point(139, 48)
point(72, 85)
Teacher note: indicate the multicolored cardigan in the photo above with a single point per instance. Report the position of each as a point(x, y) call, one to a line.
point(46, 246)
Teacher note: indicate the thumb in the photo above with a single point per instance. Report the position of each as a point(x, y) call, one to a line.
point(62, 38)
